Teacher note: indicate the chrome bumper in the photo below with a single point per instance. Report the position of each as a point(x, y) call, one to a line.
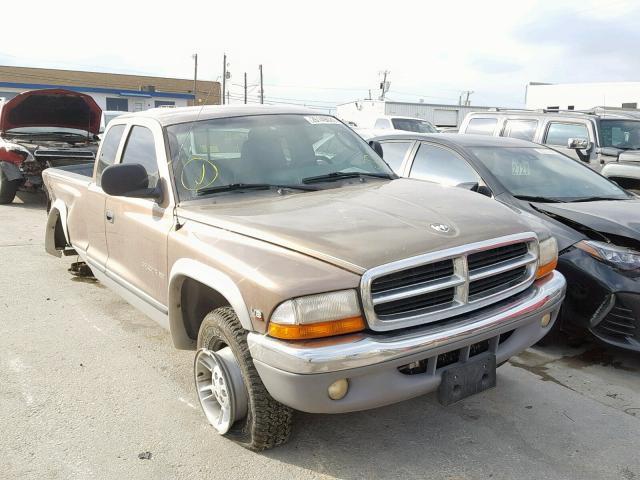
point(362, 350)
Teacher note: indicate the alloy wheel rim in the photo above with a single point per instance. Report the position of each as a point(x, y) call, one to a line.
point(220, 389)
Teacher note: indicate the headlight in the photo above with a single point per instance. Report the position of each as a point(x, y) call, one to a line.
point(620, 257)
point(315, 316)
point(547, 257)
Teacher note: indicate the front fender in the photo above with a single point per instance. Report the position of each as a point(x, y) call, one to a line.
point(186, 268)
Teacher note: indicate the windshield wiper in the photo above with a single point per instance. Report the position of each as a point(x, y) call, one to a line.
point(330, 177)
point(251, 186)
point(528, 198)
point(595, 199)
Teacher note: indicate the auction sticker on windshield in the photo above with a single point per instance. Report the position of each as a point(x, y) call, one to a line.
point(315, 119)
point(519, 168)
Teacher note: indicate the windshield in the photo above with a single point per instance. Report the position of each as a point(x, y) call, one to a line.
point(623, 134)
point(265, 149)
point(542, 172)
point(413, 125)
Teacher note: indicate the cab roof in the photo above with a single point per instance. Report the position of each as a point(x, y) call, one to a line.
point(172, 116)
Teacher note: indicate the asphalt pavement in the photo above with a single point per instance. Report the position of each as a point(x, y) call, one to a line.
point(88, 385)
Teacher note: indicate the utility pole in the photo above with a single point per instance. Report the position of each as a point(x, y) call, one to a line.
point(261, 85)
point(245, 88)
point(228, 99)
point(195, 79)
point(384, 86)
point(224, 76)
point(467, 94)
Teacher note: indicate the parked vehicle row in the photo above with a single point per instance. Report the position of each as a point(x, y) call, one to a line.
point(595, 137)
point(302, 270)
point(44, 128)
point(596, 223)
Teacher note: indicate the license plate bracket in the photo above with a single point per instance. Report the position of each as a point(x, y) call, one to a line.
point(468, 378)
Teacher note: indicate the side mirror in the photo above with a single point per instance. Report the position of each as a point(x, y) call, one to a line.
point(476, 187)
point(377, 147)
point(129, 180)
point(578, 144)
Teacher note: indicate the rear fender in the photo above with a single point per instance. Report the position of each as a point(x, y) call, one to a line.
point(57, 214)
point(11, 171)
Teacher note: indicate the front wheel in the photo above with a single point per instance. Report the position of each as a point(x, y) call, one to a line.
point(231, 394)
point(8, 188)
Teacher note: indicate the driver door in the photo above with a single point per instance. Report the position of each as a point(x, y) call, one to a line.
point(137, 228)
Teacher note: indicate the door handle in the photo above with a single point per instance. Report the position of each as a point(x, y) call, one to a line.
point(109, 216)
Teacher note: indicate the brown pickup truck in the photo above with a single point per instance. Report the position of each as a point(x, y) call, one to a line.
point(277, 244)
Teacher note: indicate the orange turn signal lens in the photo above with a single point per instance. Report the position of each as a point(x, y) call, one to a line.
point(316, 330)
point(544, 270)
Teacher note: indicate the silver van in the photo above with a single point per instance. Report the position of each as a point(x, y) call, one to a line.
point(596, 136)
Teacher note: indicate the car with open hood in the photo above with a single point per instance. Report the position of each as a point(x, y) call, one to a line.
point(595, 221)
point(44, 128)
point(305, 274)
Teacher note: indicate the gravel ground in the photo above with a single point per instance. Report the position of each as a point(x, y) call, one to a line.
point(87, 384)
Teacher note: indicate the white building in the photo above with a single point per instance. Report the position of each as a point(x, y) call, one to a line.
point(582, 96)
point(362, 111)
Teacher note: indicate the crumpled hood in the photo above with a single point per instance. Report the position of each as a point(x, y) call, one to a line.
point(51, 108)
point(615, 217)
point(361, 225)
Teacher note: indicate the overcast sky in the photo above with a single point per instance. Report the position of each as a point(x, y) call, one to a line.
point(327, 52)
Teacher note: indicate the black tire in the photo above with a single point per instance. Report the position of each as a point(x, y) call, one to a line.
point(268, 422)
point(8, 188)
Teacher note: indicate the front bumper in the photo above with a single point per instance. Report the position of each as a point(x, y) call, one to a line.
point(601, 299)
point(298, 374)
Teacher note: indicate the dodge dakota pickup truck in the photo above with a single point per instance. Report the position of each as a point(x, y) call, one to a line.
point(304, 273)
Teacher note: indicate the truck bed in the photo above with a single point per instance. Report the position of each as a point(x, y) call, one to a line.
point(84, 169)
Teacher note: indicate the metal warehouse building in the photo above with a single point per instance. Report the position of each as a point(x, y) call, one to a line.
point(110, 90)
point(583, 96)
point(439, 114)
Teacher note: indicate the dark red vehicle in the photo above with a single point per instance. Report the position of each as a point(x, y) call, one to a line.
point(41, 129)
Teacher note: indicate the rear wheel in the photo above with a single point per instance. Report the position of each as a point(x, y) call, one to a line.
point(231, 394)
point(8, 188)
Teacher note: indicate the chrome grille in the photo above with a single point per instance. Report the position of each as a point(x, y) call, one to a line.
point(441, 285)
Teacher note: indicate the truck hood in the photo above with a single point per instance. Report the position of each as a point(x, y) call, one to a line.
point(361, 225)
point(51, 108)
point(620, 218)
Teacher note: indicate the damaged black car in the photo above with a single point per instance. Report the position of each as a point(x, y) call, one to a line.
point(595, 222)
point(44, 128)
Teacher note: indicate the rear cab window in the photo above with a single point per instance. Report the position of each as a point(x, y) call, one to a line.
point(520, 128)
point(481, 126)
point(108, 150)
point(558, 133)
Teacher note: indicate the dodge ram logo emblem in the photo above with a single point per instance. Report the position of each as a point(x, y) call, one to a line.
point(440, 227)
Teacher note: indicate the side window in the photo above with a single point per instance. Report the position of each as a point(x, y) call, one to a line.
point(394, 153)
point(108, 150)
point(441, 165)
point(382, 123)
point(141, 148)
point(522, 129)
point(559, 133)
point(482, 126)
